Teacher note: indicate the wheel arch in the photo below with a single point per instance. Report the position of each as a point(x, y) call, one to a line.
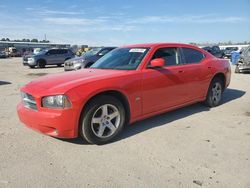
point(221, 76)
point(114, 93)
point(41, 59)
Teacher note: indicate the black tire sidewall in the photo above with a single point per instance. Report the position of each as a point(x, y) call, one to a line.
point(41, 63)
point(85, 129)
point(209, 100)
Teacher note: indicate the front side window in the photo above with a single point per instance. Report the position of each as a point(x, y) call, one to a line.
point(170, 55)
point(192, 56)
point(121, 59)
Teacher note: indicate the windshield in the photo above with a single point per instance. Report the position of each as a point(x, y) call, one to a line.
point(91, 52)
point(41, 52)
point(121, 59)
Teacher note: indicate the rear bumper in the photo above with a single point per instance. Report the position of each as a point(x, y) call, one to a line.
point(244, 68)
point(60, 123)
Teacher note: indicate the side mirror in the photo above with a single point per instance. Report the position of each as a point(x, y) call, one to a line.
point(158, 62)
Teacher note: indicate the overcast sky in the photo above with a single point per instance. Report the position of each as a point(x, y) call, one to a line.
point(118, 22)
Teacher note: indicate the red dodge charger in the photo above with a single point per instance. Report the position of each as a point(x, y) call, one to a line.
point(128, 84)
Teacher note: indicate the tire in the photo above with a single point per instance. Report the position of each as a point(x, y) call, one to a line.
point(99, 127)
point(237, 70)
point(214, 93)
point(59, 65)
point(41, 63)
point(32, 66)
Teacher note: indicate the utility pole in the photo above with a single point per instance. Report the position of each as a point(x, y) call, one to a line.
point(45, 38)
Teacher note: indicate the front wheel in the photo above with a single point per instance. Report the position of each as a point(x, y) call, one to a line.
point(214, 94)
point(102, 119)
point(41, 63)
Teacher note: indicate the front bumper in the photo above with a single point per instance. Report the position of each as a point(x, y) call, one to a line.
point(56, 123)
point(25, 63)
point(71, 68)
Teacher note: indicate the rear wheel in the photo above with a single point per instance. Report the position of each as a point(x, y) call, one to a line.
point(41, 63)
point(102, 119)
point(214, 94)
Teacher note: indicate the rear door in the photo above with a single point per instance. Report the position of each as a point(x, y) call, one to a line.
point(196, 72)
point(62, 55)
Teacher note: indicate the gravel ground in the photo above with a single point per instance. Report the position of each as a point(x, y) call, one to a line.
point(190, 147)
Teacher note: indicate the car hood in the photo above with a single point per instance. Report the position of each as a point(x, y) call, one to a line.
point(62, 82)
point(76, 59)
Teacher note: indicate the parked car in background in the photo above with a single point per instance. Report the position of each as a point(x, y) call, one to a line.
point(48, 57)
point(215, 51)
point(12, 52)
point(2, 55)
point(128, 84)
point(87, 59)
point(243, 64)
point(228, 51)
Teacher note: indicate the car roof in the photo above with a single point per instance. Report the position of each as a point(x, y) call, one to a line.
point(151, 45)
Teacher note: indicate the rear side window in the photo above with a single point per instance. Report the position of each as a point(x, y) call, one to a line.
point(65, 51)
point(192, 56)
point(170, 55)
point(62, 51)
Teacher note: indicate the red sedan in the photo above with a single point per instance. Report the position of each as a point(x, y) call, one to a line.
point(128, 84)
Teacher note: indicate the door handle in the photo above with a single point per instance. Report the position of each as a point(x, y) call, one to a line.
point(180, 71)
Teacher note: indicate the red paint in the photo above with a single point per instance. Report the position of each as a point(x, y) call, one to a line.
point(148, 91)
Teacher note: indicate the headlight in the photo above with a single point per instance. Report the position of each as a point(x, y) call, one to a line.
point(31, 59)
point(77, 64)
point(56, 101)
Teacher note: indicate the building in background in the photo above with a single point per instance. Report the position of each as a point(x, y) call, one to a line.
point(23, 47)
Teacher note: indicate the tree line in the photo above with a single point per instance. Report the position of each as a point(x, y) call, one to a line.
point(25, 40)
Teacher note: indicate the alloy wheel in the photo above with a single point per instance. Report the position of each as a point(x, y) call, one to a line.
point(105, 121)
point(216, 92)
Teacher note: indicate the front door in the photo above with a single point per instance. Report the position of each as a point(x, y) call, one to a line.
point(52, 57)
point(164, 87)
